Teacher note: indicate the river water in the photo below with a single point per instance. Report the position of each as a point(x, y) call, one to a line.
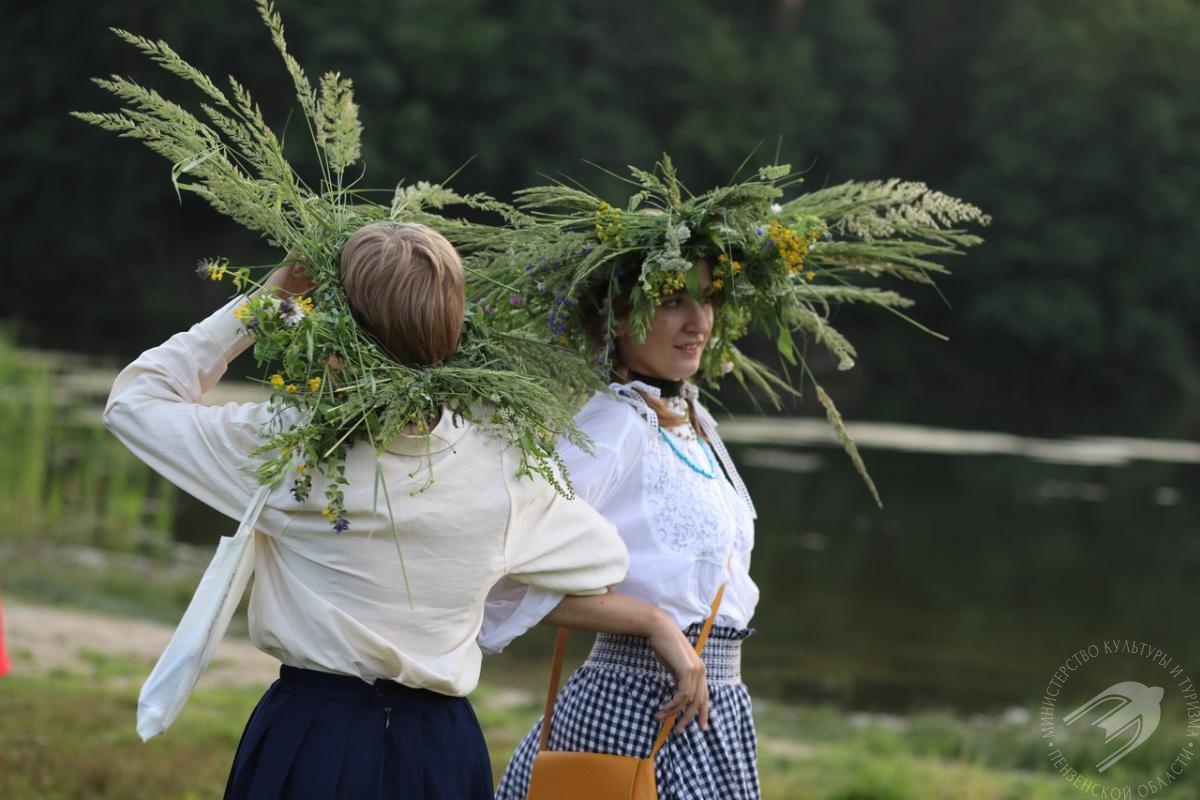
point(994, 559)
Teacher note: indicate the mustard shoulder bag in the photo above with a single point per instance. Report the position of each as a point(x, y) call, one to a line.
point(567, 775)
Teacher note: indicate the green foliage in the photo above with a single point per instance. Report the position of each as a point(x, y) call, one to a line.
point(61, 471)
point(1083, 123)
point(240, 168)
point(569, 265)
point(1070, 122)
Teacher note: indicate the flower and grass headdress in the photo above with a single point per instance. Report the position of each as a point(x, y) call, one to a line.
point(322, 363)
point(778, 265)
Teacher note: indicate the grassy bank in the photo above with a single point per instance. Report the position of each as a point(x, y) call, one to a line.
point(71, 736)
point(60, 470)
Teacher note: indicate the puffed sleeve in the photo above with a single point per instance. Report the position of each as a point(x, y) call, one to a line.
point(154, 409)
point(616, 431)
point(515, 605)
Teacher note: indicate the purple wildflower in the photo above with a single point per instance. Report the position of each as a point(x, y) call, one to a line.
point(516, 300)
point(489, 308)
point(341, 525)
point(557, 324)
point(586, 249)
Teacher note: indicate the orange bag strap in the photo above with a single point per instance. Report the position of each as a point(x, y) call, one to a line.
point(560, 648)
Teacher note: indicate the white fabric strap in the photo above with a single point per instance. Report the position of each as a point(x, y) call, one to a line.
point(637, 400)
point(709, 426)
point(202, 627)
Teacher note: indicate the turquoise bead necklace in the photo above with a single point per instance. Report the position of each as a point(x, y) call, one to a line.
point(712, 468)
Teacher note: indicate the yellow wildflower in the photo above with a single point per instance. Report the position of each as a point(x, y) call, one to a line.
point(301, 469)
point(325, 512)
point(241, 312)
point(608, 224)
point(306, 303)
point(792, 246)
point(736, 266)
point(290, 388)
point(717, 284)
point(277, 380)
point(314, 384)
point(810, 275)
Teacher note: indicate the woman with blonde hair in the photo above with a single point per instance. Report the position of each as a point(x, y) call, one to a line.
point(377, 643)
point(402, 466)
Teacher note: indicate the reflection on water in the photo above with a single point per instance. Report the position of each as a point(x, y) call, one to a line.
point(1087, 450)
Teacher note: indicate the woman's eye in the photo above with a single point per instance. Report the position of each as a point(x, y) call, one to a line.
point(672, 302)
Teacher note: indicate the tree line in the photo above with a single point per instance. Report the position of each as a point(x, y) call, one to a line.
point(1073, 123)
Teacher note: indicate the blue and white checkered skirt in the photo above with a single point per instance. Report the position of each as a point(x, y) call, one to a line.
point(608, 706)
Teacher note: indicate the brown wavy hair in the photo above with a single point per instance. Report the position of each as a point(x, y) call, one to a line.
point(595, 322)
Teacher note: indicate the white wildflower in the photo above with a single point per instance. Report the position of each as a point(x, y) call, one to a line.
point(292, 313)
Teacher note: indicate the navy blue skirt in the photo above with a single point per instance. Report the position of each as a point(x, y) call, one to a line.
point(317, 735)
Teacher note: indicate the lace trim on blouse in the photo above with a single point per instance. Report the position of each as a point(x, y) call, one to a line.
point(691, 395)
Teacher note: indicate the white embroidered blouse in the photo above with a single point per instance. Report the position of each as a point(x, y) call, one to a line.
point(677, 502)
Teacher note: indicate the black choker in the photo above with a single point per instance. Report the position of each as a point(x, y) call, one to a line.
point(665, 388)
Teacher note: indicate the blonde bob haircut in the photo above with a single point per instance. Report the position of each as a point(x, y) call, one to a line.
point(405, 283)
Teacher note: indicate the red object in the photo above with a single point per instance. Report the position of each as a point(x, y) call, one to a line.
point(3, 652)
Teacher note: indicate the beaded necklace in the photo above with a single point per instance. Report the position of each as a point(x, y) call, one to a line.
point(712, 468)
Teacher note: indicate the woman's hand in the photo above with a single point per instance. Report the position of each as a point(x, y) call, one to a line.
point(691, 681)
point(288, 280)
point(618, 613)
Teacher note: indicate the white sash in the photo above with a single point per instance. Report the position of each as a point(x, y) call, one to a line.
point(203, 625)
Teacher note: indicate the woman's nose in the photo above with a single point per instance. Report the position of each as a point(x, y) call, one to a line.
point(699, 318)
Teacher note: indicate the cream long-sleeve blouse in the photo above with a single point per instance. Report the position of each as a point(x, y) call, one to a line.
point(677, 502)
point(337, 602)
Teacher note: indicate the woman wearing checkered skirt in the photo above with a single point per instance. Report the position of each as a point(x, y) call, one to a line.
point(662, 476)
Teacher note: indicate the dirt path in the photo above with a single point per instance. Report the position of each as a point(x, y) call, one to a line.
point(44, 639)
